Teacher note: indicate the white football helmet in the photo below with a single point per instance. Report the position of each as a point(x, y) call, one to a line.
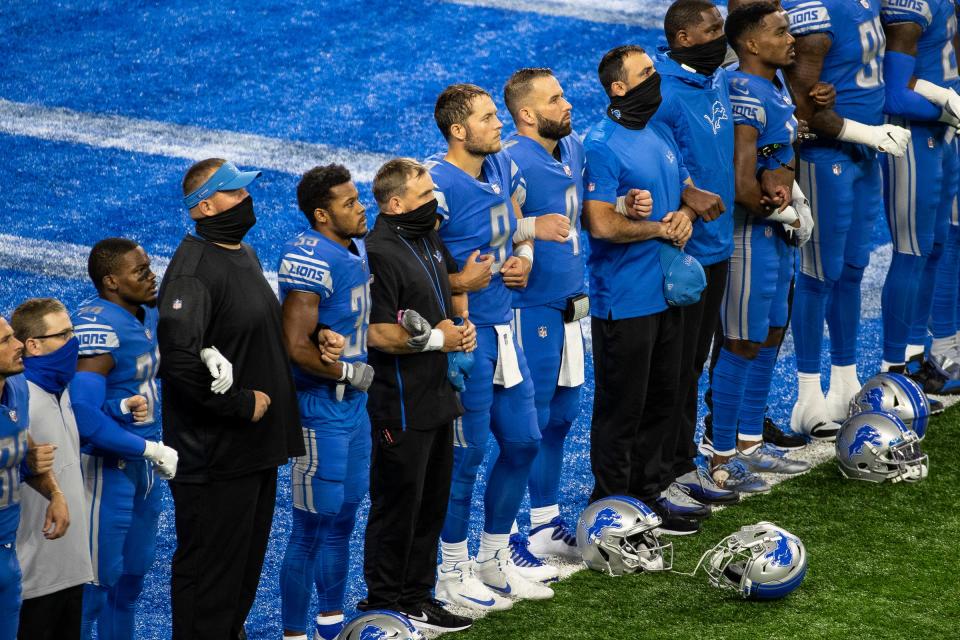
point(897, 394)
point(760, 561)
point(616, 535)
point(877, 446)
point(379, 625)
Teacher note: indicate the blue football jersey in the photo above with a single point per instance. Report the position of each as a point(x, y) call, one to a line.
point(476, 214)
point(313, 263)
point(626, 280)
point(105, 328)
point(936, 59)
point(766, 107)
point(14, 420)
point(552, 186)
point(853, 65)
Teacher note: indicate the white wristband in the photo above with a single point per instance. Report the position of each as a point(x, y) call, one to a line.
point(524, 251)
point(789, 215)
point(124, 409)
point(936, 94)
point(435, 343)
point(526, 230)
point(857, 133)
point(621, 205)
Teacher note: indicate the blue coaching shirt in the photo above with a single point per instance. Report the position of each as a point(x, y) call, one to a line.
point(105, 328)
point(552, 186)
point(626, 280)
point(14, 420)
point(853, 65)
point(340, 276)
point(766, 107)
point(697, 109)
point(936, 59)
point(477, 214)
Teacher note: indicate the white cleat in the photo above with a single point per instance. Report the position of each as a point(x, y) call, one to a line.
point(500, 575)
point(810, 418)
point(554, 539)
point(459, 586)
point(839, 396)
point(528, 565)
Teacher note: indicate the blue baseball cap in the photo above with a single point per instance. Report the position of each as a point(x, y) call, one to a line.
point(683, 276)
point(226, 178)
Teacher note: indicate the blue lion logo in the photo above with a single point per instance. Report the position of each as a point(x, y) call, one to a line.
point(606, 517)
point(865, 435)
point(372, 632)
point(782, 555)
point(874, 397)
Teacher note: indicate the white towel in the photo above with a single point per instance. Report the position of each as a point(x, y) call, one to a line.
point(571, 361)
point(507, 372)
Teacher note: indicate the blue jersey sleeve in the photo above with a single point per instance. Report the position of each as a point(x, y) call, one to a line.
point(518, 186)
point(893, 11)
point(808, 17)
point(301, 270)
point(95, 334)
point(747, 108)
point(602, 175)
point(88, 392)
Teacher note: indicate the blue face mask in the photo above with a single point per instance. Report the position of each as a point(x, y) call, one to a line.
point(54, 371)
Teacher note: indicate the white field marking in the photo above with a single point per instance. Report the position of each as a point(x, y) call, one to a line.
point(180, 141)
point(643, 13)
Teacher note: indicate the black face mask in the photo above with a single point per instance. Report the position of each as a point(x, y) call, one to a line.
point(230, 226)
point(635, 109)
point(703, 58)
point(415, 224)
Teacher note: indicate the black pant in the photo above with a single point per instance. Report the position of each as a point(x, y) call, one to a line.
point(700, 322)
point(55, 616)
point(222, 532)
point(636, 368)
point(409, 491)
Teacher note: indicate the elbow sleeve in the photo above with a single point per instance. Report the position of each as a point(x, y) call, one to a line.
point(900, 100)
point(88, 392)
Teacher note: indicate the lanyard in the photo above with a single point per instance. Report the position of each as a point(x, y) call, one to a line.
point(434, 277)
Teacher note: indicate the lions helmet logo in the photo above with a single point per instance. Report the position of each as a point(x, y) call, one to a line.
point(496, 188)
point(13, 415)
point(837, 169)
point(615, 113)
point(372, 632)
point(865, 435)
point(542, 331)
point(606, 517)
point(716, 117)
point(568, 171)
point(781, 555)
point(874, 397)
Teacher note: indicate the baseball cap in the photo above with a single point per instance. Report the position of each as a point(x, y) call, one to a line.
point(227, 178)
point(683, 276)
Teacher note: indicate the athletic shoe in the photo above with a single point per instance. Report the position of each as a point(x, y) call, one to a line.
point(553, 539)
point(769, 459)
point(673, 525)
point(935, 406)
point(706, 444)
point(931, 380)
point(431, 616)
point(702, 488)
point(780, 438)
point(809, 418)
point(461, 587)
point(735, 476)
point(501, 576)
point(528, 565)
point(676, 498)
point(323, 631)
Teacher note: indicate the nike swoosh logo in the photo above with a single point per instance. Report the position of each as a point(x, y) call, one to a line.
point(420, 618)
point(88, 319)
point(505, 591)
point(482, 603)
point(309, 253)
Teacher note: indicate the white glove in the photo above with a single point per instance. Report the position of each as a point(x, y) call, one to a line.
point(887, 138)
point(358, 375)
point(220, 368)
point(800, 203)
point(945, 98)
point(164, 459)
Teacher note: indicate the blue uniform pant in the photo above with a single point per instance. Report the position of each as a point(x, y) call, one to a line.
point(540, 332)
point(328, 482)
point(123, 504)
point(943, 313)
point(845, 198)
point(511, 414)
point(10, 591)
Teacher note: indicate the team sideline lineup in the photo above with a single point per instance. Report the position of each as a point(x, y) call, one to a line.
point(728, 194)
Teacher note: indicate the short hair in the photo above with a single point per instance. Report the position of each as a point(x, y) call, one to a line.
point(391, 179)
point(313, 191)
point(105, 258)
point(610, 68)
point(684, 14)
point(519, 86)
point(745, 20)
point(454, 106)
point(28, 319)
point(199, 172)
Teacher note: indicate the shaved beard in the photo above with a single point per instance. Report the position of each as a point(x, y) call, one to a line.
point(553, 129)
point(474, 148)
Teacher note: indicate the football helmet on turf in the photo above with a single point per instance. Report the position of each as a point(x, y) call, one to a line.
point(380, 625)
point(616, 535)
point(760, 561)
point(877, 446)
point(897, 394)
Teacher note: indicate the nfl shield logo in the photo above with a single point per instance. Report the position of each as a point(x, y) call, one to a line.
point(566, 170)
point(837, 169)
point(768, 232)
point(147, 333)
point(591, 186)
point(13, 415)
point(931, 143)
point(495, 187)
point(438, 256)
point(542, 331)
point(177, 304)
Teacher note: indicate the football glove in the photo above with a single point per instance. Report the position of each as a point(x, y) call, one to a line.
point(220, 368)
point(418, 328)
point(887, 138)
point(358, 375)
point(164, 459)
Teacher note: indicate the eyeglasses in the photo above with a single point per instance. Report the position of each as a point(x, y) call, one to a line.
point(66, 334)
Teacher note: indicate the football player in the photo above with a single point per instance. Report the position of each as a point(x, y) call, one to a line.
point(754, 311)
point(324, 282)
point(840, 43)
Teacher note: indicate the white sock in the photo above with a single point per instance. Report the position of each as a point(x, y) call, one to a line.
point(490, 543)
point(844, 377)
point(808, 386)
point(514, 528)
point(943, 346)
point(331, 619)
point(543, 515)
point(302, 636)
point(914, 350)
point(453, 552)
point(886, 366)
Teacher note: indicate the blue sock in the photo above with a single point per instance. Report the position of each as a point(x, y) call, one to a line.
point(919, 326)
point(307, 533)
point(897, 302)
point(843, 317)
point(809, 305)
point(758, 389)
point(943, 315)
point(328, 627)
point(506, 484)
point(729, 381)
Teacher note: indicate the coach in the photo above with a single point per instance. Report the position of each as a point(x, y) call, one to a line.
point(414, 403)
point(230, 444)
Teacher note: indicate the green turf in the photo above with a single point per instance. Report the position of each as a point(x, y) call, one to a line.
point(884, 562)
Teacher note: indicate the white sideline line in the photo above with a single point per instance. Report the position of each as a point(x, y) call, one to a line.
point(180, 141)
point(642, 13)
